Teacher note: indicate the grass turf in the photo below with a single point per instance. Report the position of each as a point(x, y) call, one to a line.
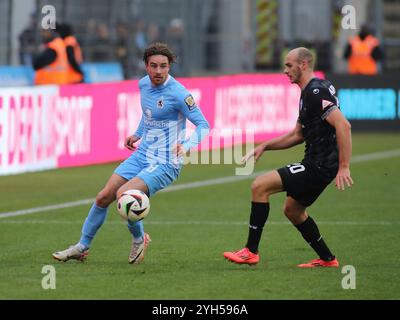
point(191, 228)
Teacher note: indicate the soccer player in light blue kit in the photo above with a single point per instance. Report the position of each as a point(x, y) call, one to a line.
point(158, 160)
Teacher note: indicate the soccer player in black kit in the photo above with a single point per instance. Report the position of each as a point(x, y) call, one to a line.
point(327, 136)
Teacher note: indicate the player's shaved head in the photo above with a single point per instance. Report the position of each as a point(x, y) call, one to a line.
point(302, 54)
point(299, 66)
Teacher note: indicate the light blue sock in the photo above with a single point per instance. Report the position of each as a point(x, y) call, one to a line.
point(93, 222)
point(137, 230)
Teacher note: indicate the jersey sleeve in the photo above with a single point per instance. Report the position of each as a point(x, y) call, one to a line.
point(323, 101)
point(190, 110)
point(139, 131)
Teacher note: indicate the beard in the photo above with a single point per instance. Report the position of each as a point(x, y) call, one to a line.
point(296, 76)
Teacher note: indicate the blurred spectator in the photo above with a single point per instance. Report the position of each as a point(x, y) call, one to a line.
point(74, 53)
point(212, 44)
point(88, 39)
point(51, 65)
point(363, 52)
point(140, 36)
point(153, 34)
point(102, 45)
point(27, 43)
point(140, 44)
point(174, 38)
point(123, 49)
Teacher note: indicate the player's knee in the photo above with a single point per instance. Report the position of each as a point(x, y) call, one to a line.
point(294, 215)
point(289, 211)
point(103, 199)
point(258, 188)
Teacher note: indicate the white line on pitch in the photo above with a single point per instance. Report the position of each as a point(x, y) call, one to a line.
point(191, 185)
point(205, 222)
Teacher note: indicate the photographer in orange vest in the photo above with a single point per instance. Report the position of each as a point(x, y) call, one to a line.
point(74, 54)
point(51, 64)
point(363, 52)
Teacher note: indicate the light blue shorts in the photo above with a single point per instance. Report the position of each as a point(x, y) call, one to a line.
point(155, 176)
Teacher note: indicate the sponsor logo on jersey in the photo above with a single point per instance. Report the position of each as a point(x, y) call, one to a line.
point(189, 100)
point(316, 91)
point(156, 123)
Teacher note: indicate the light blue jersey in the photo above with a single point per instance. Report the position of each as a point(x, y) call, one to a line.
point(165, 111)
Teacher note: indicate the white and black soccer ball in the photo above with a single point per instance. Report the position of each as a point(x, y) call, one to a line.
point(133, 205)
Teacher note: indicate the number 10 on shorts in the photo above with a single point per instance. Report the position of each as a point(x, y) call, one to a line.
point(296, 168)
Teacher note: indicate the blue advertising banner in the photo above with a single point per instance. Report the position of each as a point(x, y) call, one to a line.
point(102, 72)
point(22, 76)
point(369, 102)
point(16, 76)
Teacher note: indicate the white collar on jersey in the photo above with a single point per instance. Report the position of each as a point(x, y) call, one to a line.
point(166, 81)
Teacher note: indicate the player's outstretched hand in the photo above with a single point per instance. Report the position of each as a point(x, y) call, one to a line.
point(130, 143)
point(343, 178)
point(256, 153)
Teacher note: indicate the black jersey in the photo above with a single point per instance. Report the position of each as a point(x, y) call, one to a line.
point(317, 101)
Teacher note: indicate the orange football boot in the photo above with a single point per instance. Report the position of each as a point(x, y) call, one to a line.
point(244, 256)
point(320, 263)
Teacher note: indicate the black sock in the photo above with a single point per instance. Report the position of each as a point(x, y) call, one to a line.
point(310, 233)
point(258, 217)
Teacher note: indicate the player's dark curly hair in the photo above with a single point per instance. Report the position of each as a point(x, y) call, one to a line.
point(158, 48)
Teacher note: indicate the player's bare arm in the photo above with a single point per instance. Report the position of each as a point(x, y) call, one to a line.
point(130, 142)
point(285, 141)
point(343, 136)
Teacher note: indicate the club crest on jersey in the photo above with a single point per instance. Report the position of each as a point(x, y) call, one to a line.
point(189, 100)
point(316, 91)
point(160, 103)
point(326, 104)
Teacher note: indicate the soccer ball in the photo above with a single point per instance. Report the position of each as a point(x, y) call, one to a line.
point(133, 205)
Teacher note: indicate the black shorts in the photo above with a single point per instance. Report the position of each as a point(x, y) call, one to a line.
point(303, 181)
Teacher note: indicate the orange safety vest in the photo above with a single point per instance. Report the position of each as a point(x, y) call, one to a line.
point(361, 61)
point(73, 76)
point(56, 72)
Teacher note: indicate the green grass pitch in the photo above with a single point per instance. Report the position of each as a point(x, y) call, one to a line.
point(190, 229)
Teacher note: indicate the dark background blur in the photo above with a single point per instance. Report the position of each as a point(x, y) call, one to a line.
point(209, 36)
